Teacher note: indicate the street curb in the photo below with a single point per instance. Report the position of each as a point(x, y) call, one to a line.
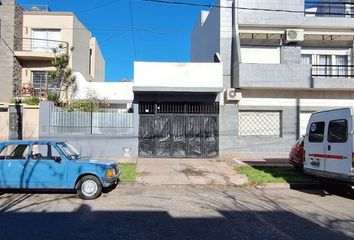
point(295, 186)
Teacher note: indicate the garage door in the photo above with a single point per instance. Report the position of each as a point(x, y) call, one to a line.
point(178, 130)
point(304, 119)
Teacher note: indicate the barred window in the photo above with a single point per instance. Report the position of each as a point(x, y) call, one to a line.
point(260, 123)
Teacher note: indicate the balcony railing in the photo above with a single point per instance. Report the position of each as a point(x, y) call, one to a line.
point(330, 8)
point(36, 8)
point(334, 71)
point(42, 45)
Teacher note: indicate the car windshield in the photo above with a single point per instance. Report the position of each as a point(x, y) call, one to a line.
point(70, 152)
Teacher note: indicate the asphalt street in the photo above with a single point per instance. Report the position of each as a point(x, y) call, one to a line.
point(167, 212)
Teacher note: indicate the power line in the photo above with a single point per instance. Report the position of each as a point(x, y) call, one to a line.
point(132, 27)
point(119, 29)
point(98, 6)
point(7, 45)
point(220, 6)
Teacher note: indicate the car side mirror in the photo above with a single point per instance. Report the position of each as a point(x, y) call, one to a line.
point(57, 159)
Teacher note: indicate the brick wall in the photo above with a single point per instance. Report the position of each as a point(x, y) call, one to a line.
point(10, 68)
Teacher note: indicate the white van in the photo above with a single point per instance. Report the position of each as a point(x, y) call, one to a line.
point(329, 145)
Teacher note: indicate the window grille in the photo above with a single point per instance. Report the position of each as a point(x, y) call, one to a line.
point(260, 123)
point(42, 83)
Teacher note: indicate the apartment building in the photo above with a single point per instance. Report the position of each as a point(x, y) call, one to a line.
point(281, 62)
point(32, 32)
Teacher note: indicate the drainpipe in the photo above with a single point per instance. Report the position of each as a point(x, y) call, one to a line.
point(235, 46)
point(233, 35)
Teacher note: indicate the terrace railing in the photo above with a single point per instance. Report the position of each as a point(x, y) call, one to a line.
point(336, 71)
point(330, 8)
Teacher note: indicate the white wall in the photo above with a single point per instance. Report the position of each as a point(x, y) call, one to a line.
point(260, 55)
point(194, 76)
point(205, 37)
point(110, 91)
point(81, 53)
point(97, 62)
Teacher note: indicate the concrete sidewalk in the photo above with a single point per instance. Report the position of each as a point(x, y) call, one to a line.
point(167, 171)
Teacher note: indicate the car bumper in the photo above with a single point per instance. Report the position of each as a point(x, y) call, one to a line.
point(296, 162)
point(330, 175)
point(108, 181)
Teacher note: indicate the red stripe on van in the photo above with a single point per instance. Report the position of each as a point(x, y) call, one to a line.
point(335, 157)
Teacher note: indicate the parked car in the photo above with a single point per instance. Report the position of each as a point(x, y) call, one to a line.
point(329, 149)
point(296, 156)
point(54, 165)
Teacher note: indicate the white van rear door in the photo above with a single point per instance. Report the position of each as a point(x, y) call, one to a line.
point(339, 144)
point(314, 144)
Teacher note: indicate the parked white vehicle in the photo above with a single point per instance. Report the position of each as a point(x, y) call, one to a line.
point(329, 145)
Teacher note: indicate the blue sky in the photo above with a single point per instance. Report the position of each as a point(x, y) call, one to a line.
point(168, 38)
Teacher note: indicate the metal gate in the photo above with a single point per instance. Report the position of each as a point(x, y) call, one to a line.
point(178, 130)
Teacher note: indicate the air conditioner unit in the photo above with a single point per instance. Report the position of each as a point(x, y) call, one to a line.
point(233, 95)
point(294, 35)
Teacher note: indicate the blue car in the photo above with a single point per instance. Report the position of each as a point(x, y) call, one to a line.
point(54, 165)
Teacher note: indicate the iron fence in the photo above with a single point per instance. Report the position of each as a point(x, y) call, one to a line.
point(36, 8)
point(336, 71)
point(116, 122)
point(330, 8)
point(41, 45)
point(179, 108)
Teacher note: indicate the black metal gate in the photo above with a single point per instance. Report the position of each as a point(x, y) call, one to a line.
point(178, 130)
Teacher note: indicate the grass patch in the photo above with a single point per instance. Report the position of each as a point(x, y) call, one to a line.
point(128, 172)
point(260, 175)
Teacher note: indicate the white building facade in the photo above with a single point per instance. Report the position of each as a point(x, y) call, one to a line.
point(284, 61)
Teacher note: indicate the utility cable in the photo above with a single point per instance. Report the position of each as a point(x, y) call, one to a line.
point(98, 6)
point(7, 45)
point(219, 6)
point(132, 27)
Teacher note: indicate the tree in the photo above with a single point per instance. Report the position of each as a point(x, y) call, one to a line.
point(62, 76)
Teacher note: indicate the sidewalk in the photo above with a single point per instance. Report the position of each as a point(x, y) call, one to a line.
point(167, 171)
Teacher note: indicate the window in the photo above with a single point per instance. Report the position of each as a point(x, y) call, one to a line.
point(44, 151)
point(14, 151)
point(325, 61)
point(306, 59)
point(42, 83)
point(260, 123)
point(90, 62)
point(328, 62)
point(342, 63)
point(316, 132)
point(44, 40)
point(338, 131)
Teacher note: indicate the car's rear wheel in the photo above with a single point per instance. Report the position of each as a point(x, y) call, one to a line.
point(89, 187)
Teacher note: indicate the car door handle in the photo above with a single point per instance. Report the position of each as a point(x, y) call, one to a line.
point(329, 147)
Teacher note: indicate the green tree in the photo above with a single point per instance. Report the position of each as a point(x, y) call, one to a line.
point(63, 76)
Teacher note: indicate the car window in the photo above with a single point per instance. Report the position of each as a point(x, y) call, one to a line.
point(338, 131)
point(316, 132)
point(14, 151)
point(44, 151)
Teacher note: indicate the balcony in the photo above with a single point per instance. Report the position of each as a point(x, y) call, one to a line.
point(333, 76)
point(39, 49)
point(36, 8)
point(295, 76)
point(307, 14)
point(283, 76)
point(329, 9)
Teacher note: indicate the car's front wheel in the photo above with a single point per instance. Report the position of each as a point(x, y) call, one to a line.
point(89, 187)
